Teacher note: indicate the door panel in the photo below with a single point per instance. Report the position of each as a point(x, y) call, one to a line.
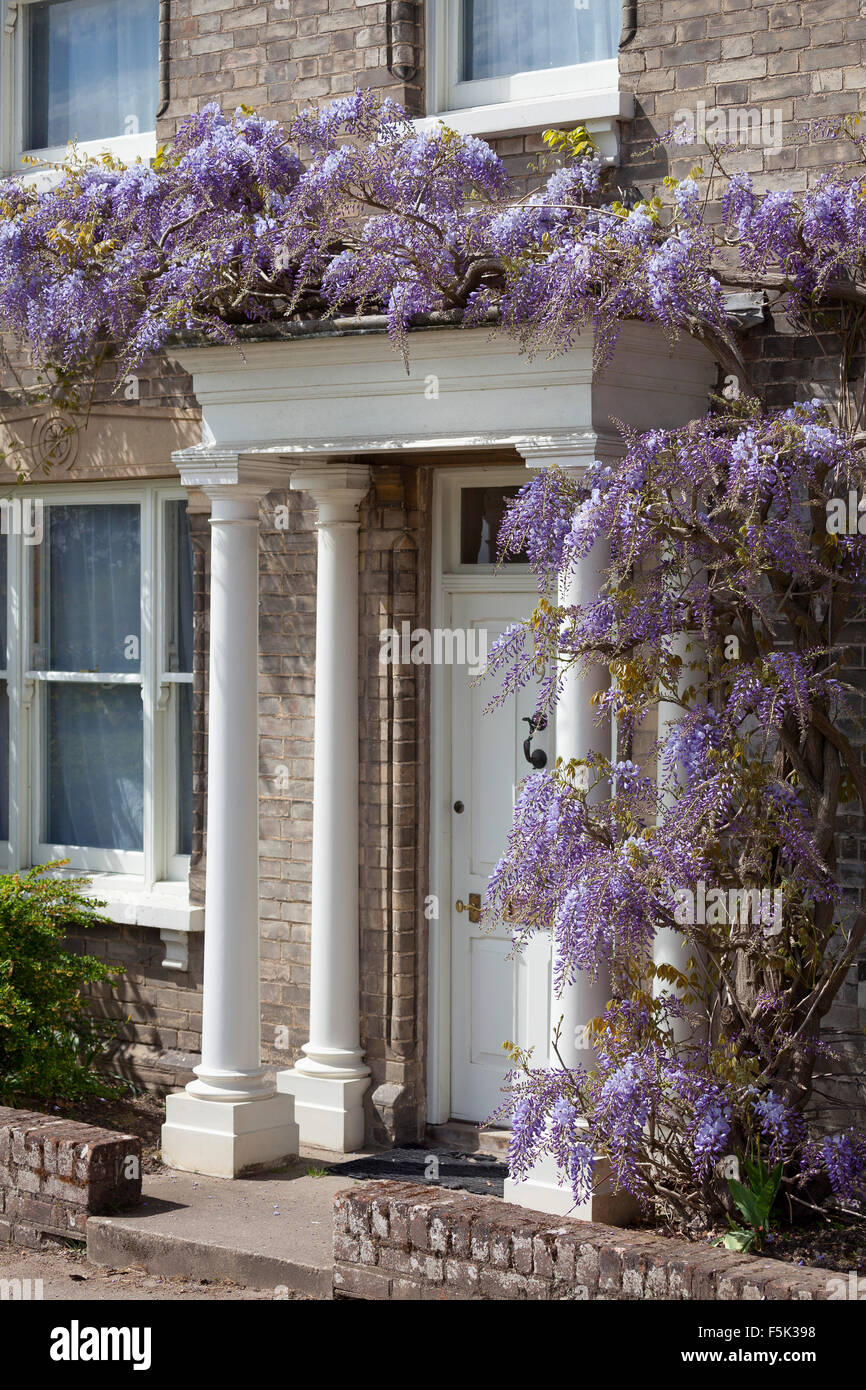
point(495, 996)
point(491, 1013)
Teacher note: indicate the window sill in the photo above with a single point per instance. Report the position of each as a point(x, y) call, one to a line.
point(127, 148)
point(165, 906)
point(599, 111)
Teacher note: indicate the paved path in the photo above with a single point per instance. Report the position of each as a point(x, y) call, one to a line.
point(271, 1233)
point(262, 1237)
point(66, 1276)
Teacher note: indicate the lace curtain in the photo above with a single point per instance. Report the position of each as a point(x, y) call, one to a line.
point(500, 37)
point(93, 69)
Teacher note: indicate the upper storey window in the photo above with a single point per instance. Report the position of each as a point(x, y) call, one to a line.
point(92, 70)
point(82, 71)
point(499, 38)
point(504, 66)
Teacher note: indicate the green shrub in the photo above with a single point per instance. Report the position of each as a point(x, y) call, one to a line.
point(49, 1039)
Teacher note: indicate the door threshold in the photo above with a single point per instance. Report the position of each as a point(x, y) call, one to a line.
point(465, 1137)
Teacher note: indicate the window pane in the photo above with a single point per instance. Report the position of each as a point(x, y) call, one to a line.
point(178, 588)
point(88, 585)
point(93, 69)
point(500, 37)
point(481, 513)
point(4, 761)
point(184, 769)
point(3, 562)
point(95, 766)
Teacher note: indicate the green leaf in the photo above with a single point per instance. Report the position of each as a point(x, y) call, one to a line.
point(738, 1240)
point(748, 1203)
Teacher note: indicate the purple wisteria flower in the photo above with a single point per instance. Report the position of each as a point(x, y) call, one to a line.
point(717, 539)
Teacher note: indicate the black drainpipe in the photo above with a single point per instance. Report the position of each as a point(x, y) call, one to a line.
point(163, 57)
point(629, 22)
point(403, 72)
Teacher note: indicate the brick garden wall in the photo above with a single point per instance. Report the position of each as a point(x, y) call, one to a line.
point(401, 1241)
point(54, 1173)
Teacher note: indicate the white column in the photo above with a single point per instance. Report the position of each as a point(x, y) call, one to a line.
point(670, 947)
point(578, 734)
point(231, 1117)
point(329, 1081)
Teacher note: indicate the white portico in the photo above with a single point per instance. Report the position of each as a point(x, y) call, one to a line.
point(315, 413)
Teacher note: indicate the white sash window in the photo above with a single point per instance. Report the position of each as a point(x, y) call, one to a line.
point(78, 70)
point(96, 689)
point(498, 38)
point(92, 69)
point(487, 53)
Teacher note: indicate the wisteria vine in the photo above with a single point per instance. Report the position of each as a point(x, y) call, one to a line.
point(717, 531)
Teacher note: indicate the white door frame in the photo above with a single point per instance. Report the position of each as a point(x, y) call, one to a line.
point(447, 579)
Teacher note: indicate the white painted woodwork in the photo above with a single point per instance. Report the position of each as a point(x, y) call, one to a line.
point(348, 393)
point(496, 996)
point(578, 94)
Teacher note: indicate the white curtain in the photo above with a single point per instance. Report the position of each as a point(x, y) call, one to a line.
point(91, 598)
point(500, 37)
point(94, 588)
point(95, 766)
point(93, 69)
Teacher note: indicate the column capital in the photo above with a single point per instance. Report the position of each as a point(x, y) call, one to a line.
point(222, 473)
point(573, 451)
point(338, 489)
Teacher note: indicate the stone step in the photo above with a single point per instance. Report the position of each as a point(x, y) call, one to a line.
point(464, 1137)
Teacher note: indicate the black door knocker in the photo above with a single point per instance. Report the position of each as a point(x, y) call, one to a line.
point(537, 757)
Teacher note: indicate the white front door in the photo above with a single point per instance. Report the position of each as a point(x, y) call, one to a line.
point(495, 996)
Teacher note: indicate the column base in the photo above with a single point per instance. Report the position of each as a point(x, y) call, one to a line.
point(226, 1138)
point(329, 1112)
point(543, 1191)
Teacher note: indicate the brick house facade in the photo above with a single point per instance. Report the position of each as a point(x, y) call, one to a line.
point(800, 60)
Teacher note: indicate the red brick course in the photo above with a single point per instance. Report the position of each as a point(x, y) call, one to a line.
point(54, 1173)
point(398, 1241)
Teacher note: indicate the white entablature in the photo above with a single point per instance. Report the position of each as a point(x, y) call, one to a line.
point(466, 389)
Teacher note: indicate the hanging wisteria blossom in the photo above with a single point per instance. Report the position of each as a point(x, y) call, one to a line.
point(729, 605)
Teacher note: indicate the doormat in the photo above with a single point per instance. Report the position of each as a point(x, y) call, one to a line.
point(478, 1173)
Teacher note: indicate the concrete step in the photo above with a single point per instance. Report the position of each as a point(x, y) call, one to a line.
point(271, 1232)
